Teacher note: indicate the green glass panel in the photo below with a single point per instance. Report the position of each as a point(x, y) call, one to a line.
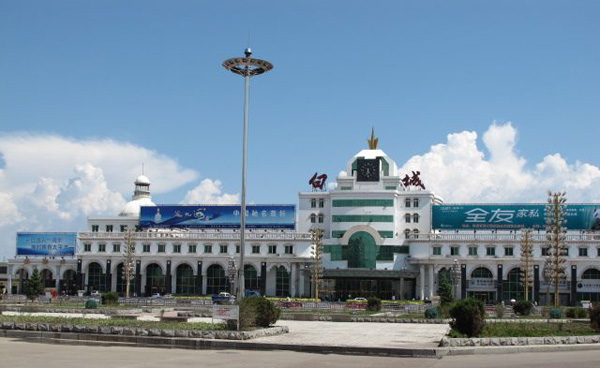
point(346, 188)
point(393, 187)
point(363, 203)
point(386, 167)
point(386, 234)
point(337, 234)
point(363, 218)
point(361, 251)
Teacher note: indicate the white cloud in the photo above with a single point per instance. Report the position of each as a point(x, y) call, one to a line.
point(459, 171)
point(209, 191)
point(52, 183)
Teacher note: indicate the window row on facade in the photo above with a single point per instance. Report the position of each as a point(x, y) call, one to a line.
point(506, 251)
point(189, 248)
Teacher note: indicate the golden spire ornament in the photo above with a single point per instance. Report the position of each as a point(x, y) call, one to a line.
point(372, 142)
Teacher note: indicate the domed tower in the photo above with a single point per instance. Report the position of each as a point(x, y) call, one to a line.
point(141, 197)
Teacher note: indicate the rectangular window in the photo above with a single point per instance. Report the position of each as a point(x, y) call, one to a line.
point(109, 228)
point(116, 248)
point(256, 249)
point(416, 203)
point(390, 187)
point(176, 248)
point(3, 270)
point(223, 249)
point(363, 218)
point(363, 203)
point(508, 251)
point(583, 252)
point(407, 203)
point(208, 249)
point(272, 249)
point(321, 218)
point(192, 248)
point(313, 203)
point(472, 251)
point(437, 251)
point(95, 228)
point(161, 248)
point(321, 202)
point(566, 252)
point(101, 247)
point(490, 251)
point(598, 250)
point(339, 234)
point(454, 251)
point(386, 234)
point(146, 248)
point(545, 251)
point(123, 228)
point(346, 188)
point(289, 249)
point(87, 247)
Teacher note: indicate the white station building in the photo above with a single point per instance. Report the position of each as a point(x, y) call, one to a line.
point(384, 235)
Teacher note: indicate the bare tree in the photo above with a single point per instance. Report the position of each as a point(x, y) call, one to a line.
point(526, 262)
point(317, 236)
point(556, 235)
point(128, 261)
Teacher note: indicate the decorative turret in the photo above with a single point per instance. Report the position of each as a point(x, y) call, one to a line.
point(141, 197)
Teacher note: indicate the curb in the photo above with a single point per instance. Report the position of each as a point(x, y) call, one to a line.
point(514, 349)
point(73, 338)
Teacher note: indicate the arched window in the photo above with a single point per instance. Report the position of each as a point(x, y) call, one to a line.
point(416, 233)
point(313, 218)
point(122, 283)
point(416, 218)
point(591, 274)
point(96, 279)
point(47, 279)
point(216, 280)
point(481, 273)
point(155, 280)
point(185, 281)
point(251, 280)
point(282, 282)
point(407, 233)
point(407, 218)
point(513, 288)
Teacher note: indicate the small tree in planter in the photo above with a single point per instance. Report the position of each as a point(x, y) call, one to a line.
point(34, 286)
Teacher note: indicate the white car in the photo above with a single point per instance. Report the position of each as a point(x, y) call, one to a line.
point(95, 293)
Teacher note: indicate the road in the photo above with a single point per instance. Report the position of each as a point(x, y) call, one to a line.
point(19, 354)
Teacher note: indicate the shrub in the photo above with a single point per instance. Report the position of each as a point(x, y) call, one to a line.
point(110, 298)
point(33, 285)
point(581, 312)
point(555, 313)
point(257, 311)
point(468, 317)
point(432, 313)
point(91, 304)
point(595, 317)
point(523, 307)
point(373, 303)
point(500, 310)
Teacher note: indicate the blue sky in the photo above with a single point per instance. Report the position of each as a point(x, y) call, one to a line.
point(148, 74)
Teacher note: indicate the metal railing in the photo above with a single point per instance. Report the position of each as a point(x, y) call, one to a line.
point(477, 237)
point(198, 236)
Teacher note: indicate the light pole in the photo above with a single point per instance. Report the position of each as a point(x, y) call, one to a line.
point(246, 67)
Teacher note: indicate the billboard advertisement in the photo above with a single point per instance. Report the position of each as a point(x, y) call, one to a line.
point(510, 216)
point(207, 217)
point(46, 244)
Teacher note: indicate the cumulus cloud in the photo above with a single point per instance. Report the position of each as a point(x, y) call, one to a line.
point(209, 191)
point(459, 171)
point(52, 183)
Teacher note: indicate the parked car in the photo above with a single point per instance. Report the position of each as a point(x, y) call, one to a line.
point(223, 298)
point(360, 299)
point(155, 296)
point(95, 294)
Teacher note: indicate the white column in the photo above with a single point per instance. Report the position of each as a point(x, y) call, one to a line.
point(57, 278)
point(422, 282)
point(9, 291)
point(430, 281)
point(294, 280)
point(204, 283)
point(301, 288)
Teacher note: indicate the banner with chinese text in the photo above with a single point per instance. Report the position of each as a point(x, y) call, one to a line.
point(199, 217)
point(46, 244)
point(510, 216)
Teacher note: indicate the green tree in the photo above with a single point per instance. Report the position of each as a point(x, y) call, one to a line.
point(445, 291)
point(34, 286)
point(556, 233)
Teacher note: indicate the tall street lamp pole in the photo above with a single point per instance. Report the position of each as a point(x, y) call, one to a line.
point(246, 67)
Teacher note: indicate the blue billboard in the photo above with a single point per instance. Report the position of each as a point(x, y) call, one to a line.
point(511, 216)
point(46, 244)
point(206, 217)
